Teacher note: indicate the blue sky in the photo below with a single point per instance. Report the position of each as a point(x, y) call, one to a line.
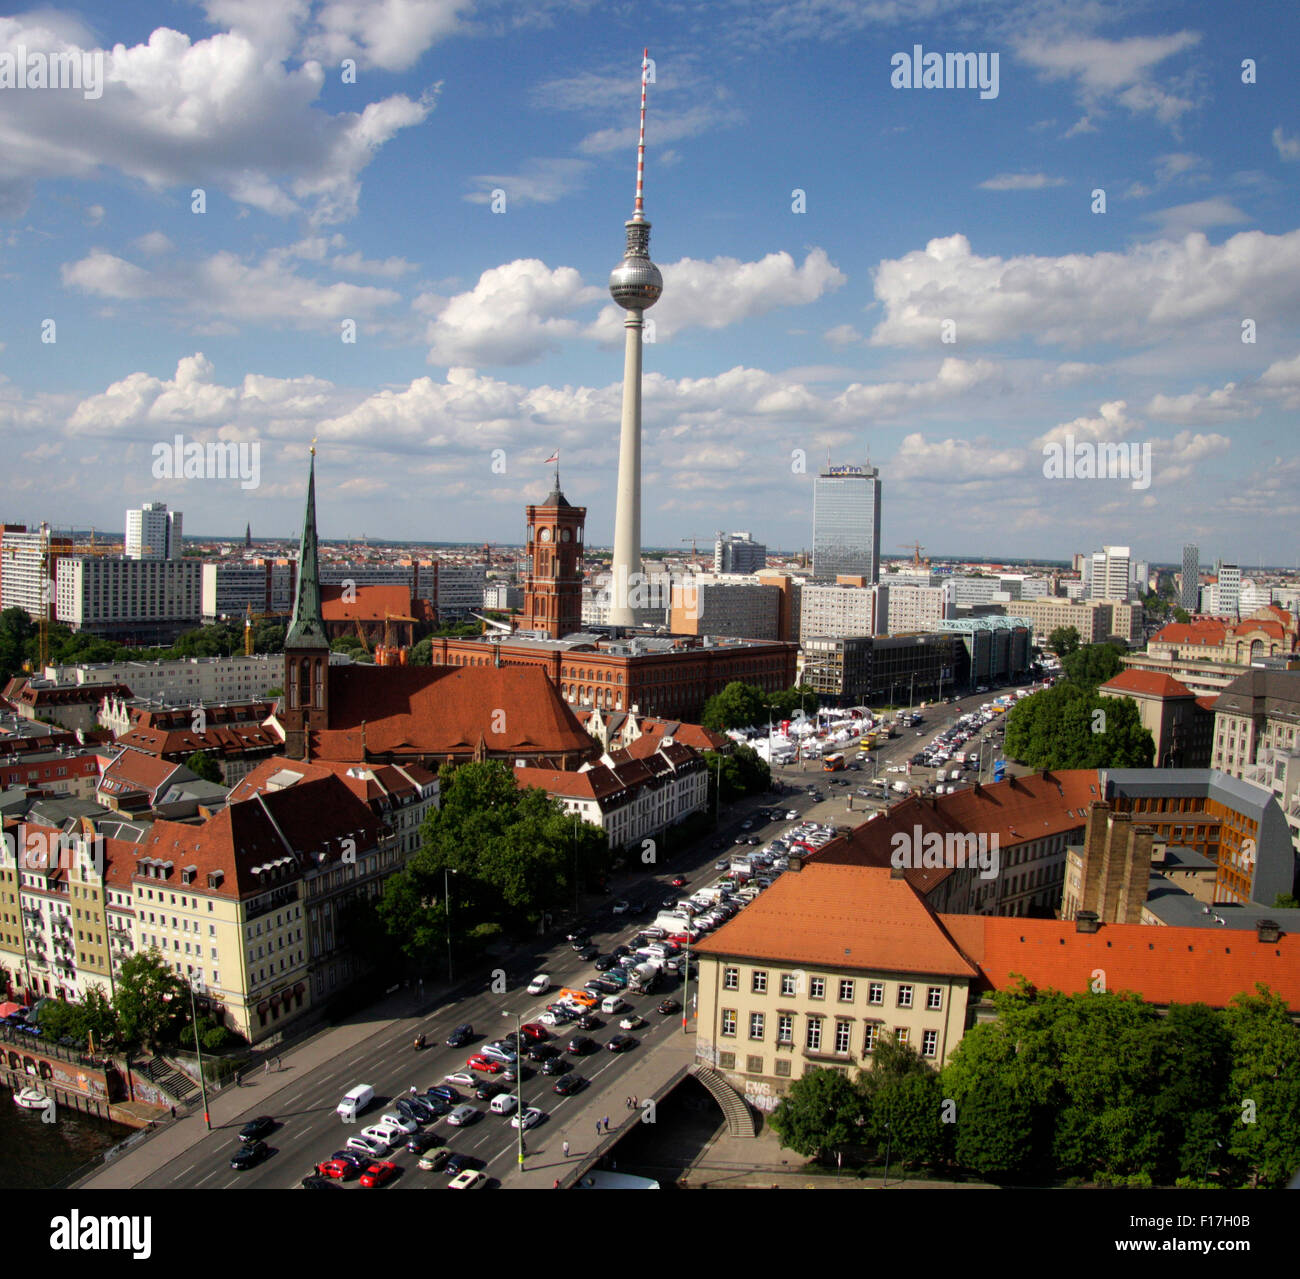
point(929, 214)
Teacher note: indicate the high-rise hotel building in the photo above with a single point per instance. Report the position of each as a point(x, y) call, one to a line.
point(846, 523)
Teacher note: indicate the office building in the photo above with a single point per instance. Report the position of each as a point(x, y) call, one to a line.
point(1111, 573)
point(738, 553)
point(1181, 722)
point(918, 608)
point(1227, 590)
point(995, 650)
point(234, 588)
point(153, 533)
point(133, 601)
point(1189, 587)
point(900, 669)
point(843, 609)
point(737, 610)
point(846, 522)
point(29, 569)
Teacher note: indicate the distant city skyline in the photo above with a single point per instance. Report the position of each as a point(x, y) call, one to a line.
point(1095, 273)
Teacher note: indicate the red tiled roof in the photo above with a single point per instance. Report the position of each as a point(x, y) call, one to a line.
point(371, 603)
point(1163, 965)
point(597, 783)
point(1147, 684)
point(136, 771)
point(1205, 633)
point(221, 741)
point(1017, 810)
point(844, 917)
point(445, 711)
point(378, 787)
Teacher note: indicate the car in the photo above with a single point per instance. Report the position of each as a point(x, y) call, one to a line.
point(457, 1164)
point(470, 1179)
point(336, 1169)
point(249, 1155)
point(721, 865)
point(570, 1084)
point(550, 1018)
point(423, 1141)
point(605, 985)
point(408, 1126)
point(753, 839)
point(539, 984)
point(463, 1116)
point(313, 1181)
point(667, 1006)
point(636, 906)
point(632, 1022)
point(256, 1129)
point(533, 1031)
point(581, 1045)
point(489, 1088)
point(353, 1157)
point(460, 1036)
point(604, 962)
point(792, 815)
point(588, 952)
point(379, 1173)
point(543, 1052)
point(373, 1147)
point(460, 1077)
point(747, 824)
point(556, 1066)
point(740, 839)
point(529, 1119)
point(434, 1160)
point(442, 1092)
point(618, 976)
point(383, 1136)
point(588, 1022)
point(621, 906)
point(654, 933)
point(679, 881)
point(499, 1051)
point(578, 941)
point(486, 1064)
point(412, 1110)
point(621, 1043)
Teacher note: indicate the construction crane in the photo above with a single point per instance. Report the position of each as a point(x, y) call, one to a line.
point(692, 540)
point(916, 548)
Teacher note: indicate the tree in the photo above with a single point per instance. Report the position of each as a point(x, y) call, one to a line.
point(739, 705)
point(790, 701)
point(99, 1021)
point(1285, 901)
point(202, 765)
point(151, 1000)
point(1063, 640)
point(822, 1110)
point(421, 653)
point(994, 1134)
point(1093, 664)
point(743, 772)
point(1075, 726)
point(1182, 615)
point(902, 1103)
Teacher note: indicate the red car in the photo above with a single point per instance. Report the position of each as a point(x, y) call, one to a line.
point(339, 1169)
point(679, 881)
point(485, 1064)
point(532, 1030)
point(378, 1173)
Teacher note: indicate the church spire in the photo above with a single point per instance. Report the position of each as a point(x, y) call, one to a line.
point(307, 629)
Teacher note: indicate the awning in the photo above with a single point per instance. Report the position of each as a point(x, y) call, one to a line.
point(7, 1008)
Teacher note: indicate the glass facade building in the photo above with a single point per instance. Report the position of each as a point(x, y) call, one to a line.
point(846, 522)
point(1190, 596)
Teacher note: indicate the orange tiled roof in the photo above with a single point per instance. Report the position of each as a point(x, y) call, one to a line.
point(1147, 684)
point(381, 784)
point(1163, 965)
point(371, 604)
point(1207, 634)
point(843, 917)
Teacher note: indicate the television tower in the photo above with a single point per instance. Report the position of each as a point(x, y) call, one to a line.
point(634, 284)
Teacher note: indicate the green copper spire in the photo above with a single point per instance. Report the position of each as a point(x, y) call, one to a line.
point(307, 630)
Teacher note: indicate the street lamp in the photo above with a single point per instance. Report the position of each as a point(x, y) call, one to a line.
point(519, 1080)
point(446, 905)
point(888, 1136)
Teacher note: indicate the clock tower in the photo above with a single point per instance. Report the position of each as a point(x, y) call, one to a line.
point(553, 587)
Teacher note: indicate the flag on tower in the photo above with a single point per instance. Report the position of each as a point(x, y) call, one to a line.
point(555, 457)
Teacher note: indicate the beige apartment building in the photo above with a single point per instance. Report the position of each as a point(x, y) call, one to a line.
point(1095, 620)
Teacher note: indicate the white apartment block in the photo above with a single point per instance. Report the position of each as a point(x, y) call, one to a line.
point(460, 588)
point(197, 679)
point(918, 608)
point(153, 533)
point(233, 588)
point(422, 579)
point(115, 596)
point(738, 609)
point(1111, 571)
point(843, 610)
point(25, 558)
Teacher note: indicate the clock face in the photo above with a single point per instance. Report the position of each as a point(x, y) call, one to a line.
point(544, 535)
point(565, 535)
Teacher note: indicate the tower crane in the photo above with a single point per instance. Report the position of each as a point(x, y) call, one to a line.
point(916, 548)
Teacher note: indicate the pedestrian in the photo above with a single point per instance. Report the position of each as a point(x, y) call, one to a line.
point(597, 1127)
point(266, 1067)
point(606, 1123)
point(635, 1103)
point(173, 1112)
point(556, 1185)
point(566, 1149)
point(412, 1090)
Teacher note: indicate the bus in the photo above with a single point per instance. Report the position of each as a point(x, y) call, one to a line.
point(868, 742)
point(832, 763)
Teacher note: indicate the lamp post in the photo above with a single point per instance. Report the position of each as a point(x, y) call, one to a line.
point(888, 1136)
point(575, 866)
point(519, 1081)
point(198, 1051)
point(446, 903)
point(717, 791)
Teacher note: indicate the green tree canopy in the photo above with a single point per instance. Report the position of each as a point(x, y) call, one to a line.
point(1063, 640)
point(1074, 726)
point(823, 1109)
point(151, 1001)
point(1093, 664)
point(201, 764)
point(739, 705)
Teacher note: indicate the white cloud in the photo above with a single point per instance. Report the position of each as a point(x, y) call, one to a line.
point(1183, 218)
point(723, 291)
point(391, 35)
point(153, 244)
point(1137, 297)
point(665, 128)
point(1287, 148)
point(219, 113)
point(1223, 404)
point(541, 181)
point(515, 313)
point(954, 380)
point(1020, 182)
point(842, 335)
point(956, 461)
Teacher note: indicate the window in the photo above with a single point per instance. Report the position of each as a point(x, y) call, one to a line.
point(728, 1021)
point(902, 1034)
point(934, 998)
point(726, 1061)
point(929, 1043)
point(905, 996)
point(813, 1042)
point(817, 987)
point(876, 992)
point(785, 1028)
point(783, 1067)
point(789, 984)
point(753, 1065)
point(846, 991)
point(756, 1025)
point(843, 1029)
point(759, 982)
point(731, 979)
point(869, 1042)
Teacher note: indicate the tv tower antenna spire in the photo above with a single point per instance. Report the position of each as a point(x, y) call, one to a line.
point(639, 212)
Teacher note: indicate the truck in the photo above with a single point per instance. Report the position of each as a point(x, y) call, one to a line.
point(671, 922)
point(642, 979)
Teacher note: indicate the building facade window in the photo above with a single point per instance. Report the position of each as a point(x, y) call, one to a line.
point(846, 990)
point(731, 979)
point(813, 1041)
point(789, 984)
point(902, 1035)
point(929, 1043)
point(756, 1021)
point(817, 988)
point(905, 996)
point(758, 983)
point(785, 1028)
point(934, 998)
point(843, 1032)
point(728, 1021)
point(869, 1040)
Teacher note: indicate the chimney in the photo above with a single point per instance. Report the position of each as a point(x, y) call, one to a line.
point(1086, 922)
point(795, 863)
point(897, 872)
point(1268, 930)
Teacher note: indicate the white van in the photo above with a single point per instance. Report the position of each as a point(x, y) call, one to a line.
point(354, 1102)
point(504, 1104)
point(612, 1004)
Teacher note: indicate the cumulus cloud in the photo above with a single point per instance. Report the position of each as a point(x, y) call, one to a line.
point(1138, 296)
point(515, 313)
point(842, 335)
point(1184, 218)
point(540, 181)
point(723, 291)
point(216, 113)
point(1020, 182)
point(955, 379)
point(388, 34)
point(1287, 148)
point(1223, 404)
